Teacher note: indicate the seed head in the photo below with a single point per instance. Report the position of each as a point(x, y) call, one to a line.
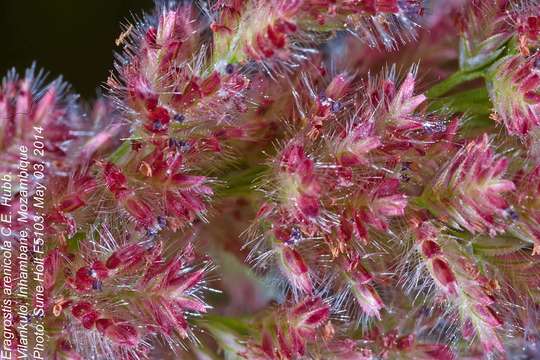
point(469, 189)
point(515, 92)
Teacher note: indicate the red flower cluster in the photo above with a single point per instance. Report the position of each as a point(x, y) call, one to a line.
point(383, 220)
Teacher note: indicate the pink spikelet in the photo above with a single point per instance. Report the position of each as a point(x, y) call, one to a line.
point(515, 91)
point(469, 189)
point(526, 218)
point(361, 282)
point(376, 208)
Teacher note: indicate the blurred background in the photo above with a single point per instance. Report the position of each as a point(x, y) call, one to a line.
point(73, 38)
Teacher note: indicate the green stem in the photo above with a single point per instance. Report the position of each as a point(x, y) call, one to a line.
point(119, 153)
point(242, 181)
point(454, 80)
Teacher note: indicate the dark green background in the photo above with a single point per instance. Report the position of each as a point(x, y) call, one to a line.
point(73, 38)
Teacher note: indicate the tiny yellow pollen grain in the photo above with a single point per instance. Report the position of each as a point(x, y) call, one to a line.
point(122, 37)
point(62, 239)
point(536, 249)
point(523, 47)
point(329, 331)
point(57, 309)
point(145, 169)
point(334, 251)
